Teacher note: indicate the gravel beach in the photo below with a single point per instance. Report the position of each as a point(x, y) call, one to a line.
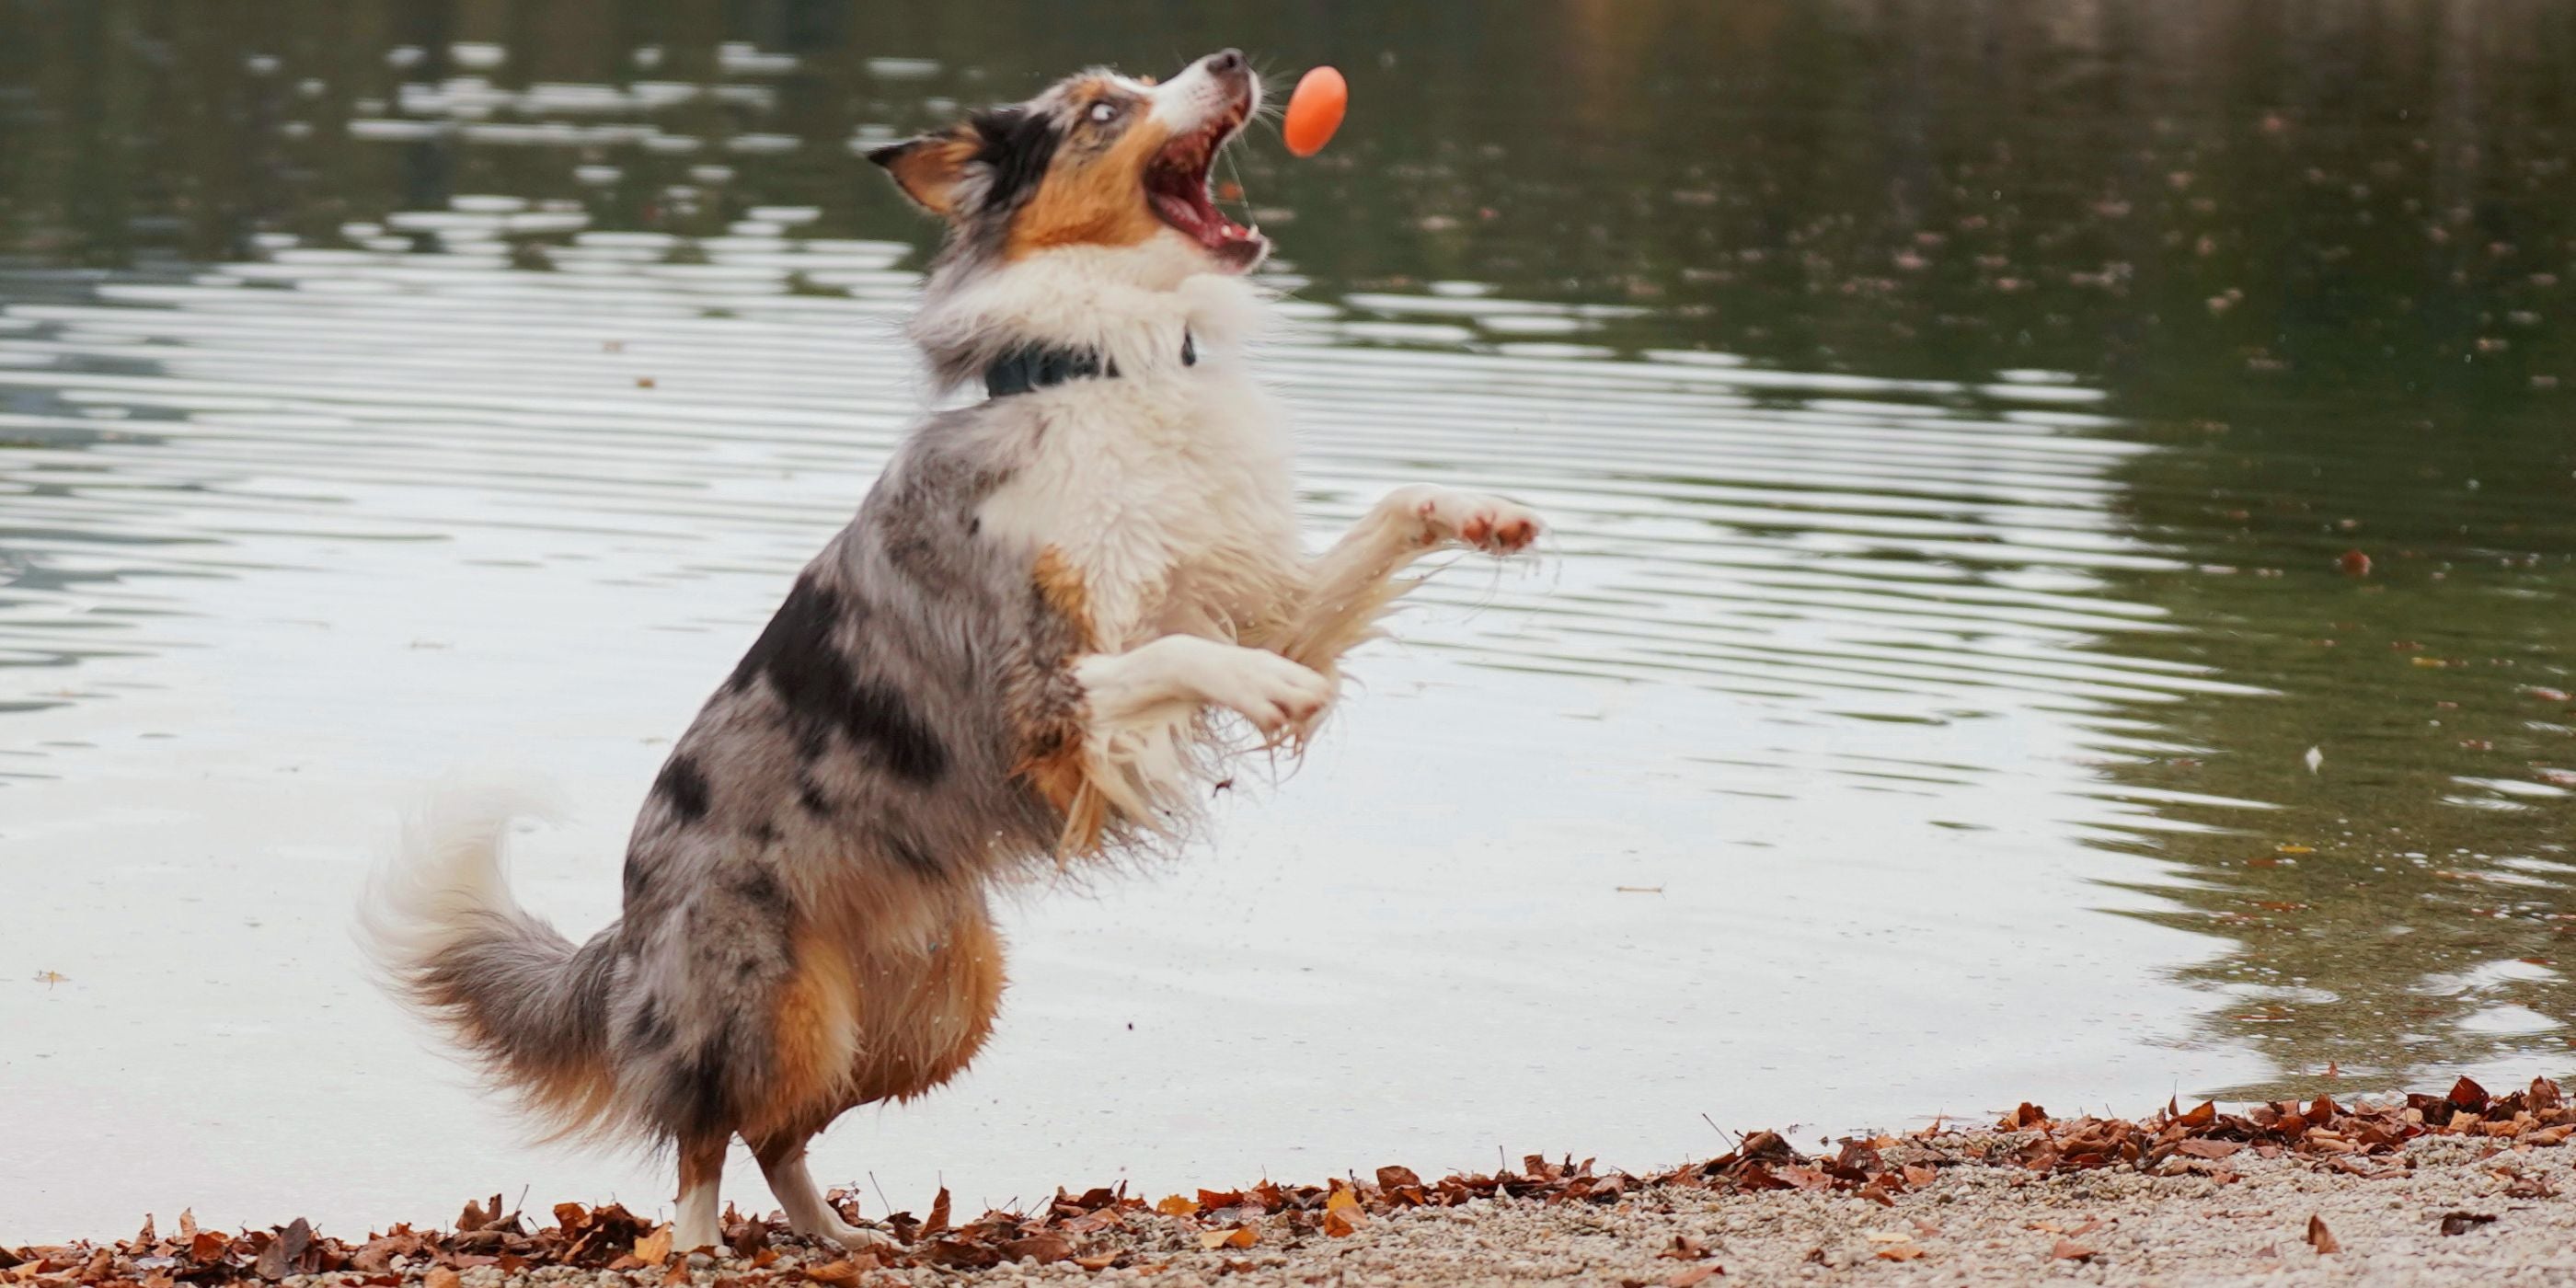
point(2462, 1188)
point(1971, 1225)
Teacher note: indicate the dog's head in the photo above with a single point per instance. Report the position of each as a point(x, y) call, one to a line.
point(1098, 160)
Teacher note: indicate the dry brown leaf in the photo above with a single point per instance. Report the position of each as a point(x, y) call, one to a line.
point(1046, 1245)
point(1342, 1222)
point(1685, 1278)
point(2456, 1223)
point(2321, 1238)
point(1176, 1205)
point(1685, 1248)
point(1901, 1252)
point(655, 1248)
point(938, 1215)
point(2070, 1250)
point(442, 1277)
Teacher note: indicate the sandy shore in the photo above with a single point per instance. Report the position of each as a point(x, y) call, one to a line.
point(2395, 1193)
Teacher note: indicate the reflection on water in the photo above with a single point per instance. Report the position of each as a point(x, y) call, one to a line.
point(1965, 438)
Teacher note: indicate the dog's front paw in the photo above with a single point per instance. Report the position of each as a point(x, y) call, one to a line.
point(1272, 692)
point(1489, 523)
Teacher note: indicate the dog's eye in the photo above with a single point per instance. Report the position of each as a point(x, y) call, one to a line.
point(1104, 113)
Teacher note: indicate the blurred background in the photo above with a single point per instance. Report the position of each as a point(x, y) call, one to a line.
point(2061, 587)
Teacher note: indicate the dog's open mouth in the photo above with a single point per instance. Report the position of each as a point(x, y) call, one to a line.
point(1176, 185)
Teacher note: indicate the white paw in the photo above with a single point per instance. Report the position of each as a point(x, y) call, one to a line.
point(1264, 688)
point(853, 1238)
point(1488, 523)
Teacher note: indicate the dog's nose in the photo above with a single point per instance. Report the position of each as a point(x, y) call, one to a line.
point(1225, 60)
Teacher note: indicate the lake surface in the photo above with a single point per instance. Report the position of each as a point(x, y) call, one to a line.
point(2061, 582)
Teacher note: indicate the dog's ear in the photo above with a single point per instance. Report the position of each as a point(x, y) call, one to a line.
point(928, 168)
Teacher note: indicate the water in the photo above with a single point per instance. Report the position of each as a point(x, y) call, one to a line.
point(1955, 429)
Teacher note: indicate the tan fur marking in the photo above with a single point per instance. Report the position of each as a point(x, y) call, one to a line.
point(928, 170)
point(915, 1019)
point(919, 1037)
point(1055, 763)
point(814, 1026)
point(702, 1162)
point(1092, 198)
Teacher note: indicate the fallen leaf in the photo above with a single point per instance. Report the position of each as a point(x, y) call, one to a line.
point(2321, 1238)
point(2463, 1222)
point(2070, 1250)
point(2467, 1094)
point(1901, 1252)
point(839, 1274)
point(938, 1215)
point(655, 1248)
point(52, 977)
point(1342, 1222)
point(1176, 1205)
point(442, 1277)
point(1046, 1245)
point(1685, 1248)
point(1685, 1278)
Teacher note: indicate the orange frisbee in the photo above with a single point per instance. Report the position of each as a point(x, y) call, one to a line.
point(1315, 110)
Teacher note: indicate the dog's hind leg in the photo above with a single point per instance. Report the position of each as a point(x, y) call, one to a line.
point(1352, 583)
point(701, 1171)
point(782, 1160)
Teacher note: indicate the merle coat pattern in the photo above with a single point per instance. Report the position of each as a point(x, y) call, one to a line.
point(1022, 652)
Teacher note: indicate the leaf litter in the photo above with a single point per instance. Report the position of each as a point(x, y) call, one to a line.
point(1104, 1228)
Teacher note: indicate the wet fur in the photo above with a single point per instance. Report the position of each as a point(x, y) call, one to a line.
point(1015, 656)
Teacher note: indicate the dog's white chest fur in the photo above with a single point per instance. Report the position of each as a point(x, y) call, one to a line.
point(1170, 495)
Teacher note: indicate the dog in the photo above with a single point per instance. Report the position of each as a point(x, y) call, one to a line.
point(1027, 650)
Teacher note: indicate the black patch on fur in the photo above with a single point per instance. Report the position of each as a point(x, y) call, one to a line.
point(653, 1029)
point(796, 643)
point(761, 887)
point(822, 693)
point(876, 716)
point(1018, 146)
point(764, 832)
point(911, 855)
point(811, 798)
point(684, 787)
point(702, 1104)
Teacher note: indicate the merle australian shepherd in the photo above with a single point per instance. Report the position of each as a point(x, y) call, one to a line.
point(1030, 647)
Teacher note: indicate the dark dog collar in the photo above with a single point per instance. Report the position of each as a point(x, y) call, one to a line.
point(1036, 367)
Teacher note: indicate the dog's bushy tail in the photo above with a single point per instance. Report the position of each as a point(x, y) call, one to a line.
point(449, 941)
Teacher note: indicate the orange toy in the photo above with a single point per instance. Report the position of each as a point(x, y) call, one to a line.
point(1315, 110)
